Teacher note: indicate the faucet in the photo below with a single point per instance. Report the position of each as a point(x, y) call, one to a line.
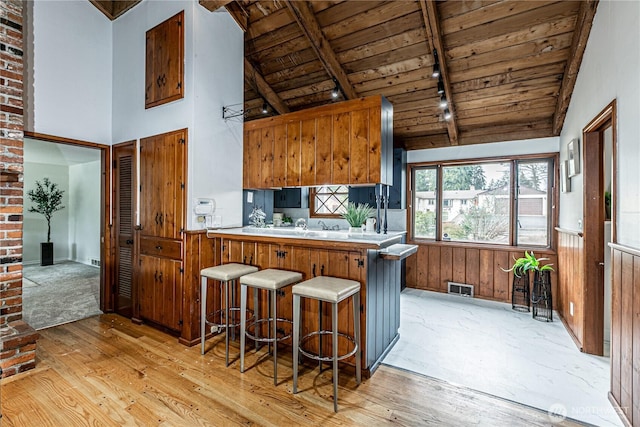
point(301, 223)
point(323, 225)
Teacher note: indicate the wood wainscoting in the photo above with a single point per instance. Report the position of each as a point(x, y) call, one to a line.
point(571, 283)
point(625, 332)
point(436, 264)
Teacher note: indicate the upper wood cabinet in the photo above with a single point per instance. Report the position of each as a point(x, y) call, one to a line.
point(162, 184)
point(348, 143)
point(164, 73)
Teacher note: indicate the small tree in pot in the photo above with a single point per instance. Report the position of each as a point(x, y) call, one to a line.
point(47, 199)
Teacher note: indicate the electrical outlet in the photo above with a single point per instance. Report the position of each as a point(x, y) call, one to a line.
point(571, 308)
point(249, 197)
point(580, 224)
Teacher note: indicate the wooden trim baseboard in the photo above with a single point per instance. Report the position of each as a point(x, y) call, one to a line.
point(570, 331)
point(624, 248)
point(619, 411)
point(570, 232)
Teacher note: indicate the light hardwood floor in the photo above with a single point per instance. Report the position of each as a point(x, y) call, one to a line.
point(106, 371)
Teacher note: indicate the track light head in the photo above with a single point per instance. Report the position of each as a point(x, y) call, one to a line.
point(265, 108)
point(447, 114)
point(335, 92)
point(440, 87)
point(443, 101)
point(436, 70)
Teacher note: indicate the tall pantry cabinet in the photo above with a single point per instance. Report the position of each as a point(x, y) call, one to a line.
point(160, 269)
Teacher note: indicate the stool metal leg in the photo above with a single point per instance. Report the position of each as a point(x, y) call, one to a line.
point(203, 312)
point(243, 322)
point(296, 337)
point(320, 335)
point(274, 313)
point(226, 322)
point(356, 333)
point(232, 304)
point(256, 316)
point(334, 332)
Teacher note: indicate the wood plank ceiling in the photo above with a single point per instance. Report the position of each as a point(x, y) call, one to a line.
point(508, 67)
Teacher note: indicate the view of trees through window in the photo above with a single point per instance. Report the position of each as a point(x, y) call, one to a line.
point(476, 202)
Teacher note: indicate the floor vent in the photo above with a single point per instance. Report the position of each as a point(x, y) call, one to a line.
point(460, 289)
point(95, 262)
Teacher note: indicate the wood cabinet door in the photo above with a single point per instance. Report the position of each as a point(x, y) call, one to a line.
point(162, 185)
point(308, 152)
point(341, 133)
point(293, 154)
point(359, 147)
point(280, 155)
point(252, 174)
point(266, 157)
point(164, 71)
point(324, 150)
point(160, 284)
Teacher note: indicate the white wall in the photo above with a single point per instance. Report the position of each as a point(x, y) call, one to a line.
point(215, 155)
point(609, 70)
point(84, 212)
point(34, 225)
point(507, 148)
point(68, 91)
point(213, 78)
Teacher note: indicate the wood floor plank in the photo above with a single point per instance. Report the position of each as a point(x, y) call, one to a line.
point(106, 371)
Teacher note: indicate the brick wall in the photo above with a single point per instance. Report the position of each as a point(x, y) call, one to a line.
point(17, 339)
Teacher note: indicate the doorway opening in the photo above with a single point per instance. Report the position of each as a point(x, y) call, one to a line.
point(72, 287)
point(599, 185)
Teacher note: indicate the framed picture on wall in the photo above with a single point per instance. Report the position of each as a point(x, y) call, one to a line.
point(565, 182)
point(573, 151)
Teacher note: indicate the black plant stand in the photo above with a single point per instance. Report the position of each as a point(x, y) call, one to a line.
point(520, 292)
point(541, 299)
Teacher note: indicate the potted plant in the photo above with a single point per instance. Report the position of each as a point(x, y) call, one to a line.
point(46, 199)
point(541, 296)
point(356, 215)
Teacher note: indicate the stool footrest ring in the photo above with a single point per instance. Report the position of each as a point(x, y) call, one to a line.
point(250, 330)
point(220, 314)
point(316, 356)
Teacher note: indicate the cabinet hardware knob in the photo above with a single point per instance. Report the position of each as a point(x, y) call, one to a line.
point(159, 247)
point(129, 242)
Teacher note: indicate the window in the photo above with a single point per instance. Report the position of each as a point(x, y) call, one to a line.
point(476, 202)
point(328, 200)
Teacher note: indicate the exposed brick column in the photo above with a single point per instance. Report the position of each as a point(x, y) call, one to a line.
point(17, 339)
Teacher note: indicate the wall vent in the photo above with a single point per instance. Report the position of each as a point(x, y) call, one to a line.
point(95, 262)
point(460, 289)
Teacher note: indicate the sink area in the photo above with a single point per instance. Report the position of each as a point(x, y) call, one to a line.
point(318, 234)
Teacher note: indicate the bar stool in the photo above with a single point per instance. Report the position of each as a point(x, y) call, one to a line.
point(270, 280)
point(332, 290)
point(224, 273)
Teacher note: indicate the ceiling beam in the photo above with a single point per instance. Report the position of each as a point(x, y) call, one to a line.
point(213, 5)
point(306, 19)
point(579, 43)
point(239, 14)
point(434, 39)
point(255, 79)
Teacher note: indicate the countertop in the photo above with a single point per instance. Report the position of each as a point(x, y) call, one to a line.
point(344, 236)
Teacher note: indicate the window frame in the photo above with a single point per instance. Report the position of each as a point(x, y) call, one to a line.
point(552, 191)
point(312, 202)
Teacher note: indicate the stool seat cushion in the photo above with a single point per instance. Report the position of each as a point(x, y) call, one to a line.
point(271, 278)
point(325, 288)
point(226, 272)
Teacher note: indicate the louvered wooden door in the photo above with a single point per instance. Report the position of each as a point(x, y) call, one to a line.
point(124, 219)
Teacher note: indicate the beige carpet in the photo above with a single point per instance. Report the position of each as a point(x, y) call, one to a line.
point(59, 293)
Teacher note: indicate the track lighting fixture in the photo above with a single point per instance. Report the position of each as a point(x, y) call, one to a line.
point(443, 101)
point(436, 65)
point(265, 108)
point(336, 89)
point(447, 114)
point(440, 86)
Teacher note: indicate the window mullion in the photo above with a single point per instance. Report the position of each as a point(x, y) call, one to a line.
point(439, 186)
point(514, 192)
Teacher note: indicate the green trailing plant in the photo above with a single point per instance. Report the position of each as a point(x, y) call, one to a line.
point(356, 215)
point(529, 263)
point(47, 199)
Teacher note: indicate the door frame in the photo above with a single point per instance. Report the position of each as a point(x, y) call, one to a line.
point(593, 223)
point(106, 244)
